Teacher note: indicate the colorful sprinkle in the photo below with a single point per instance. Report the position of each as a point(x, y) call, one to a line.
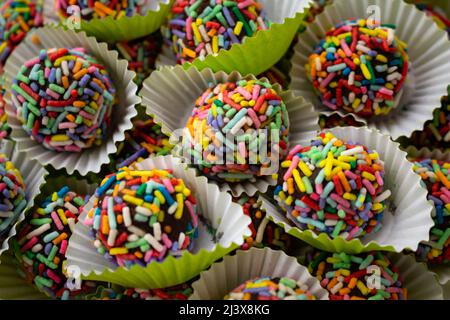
point(333, 187)
point(64, 99)
point(99, 9)
point(271, 289)
point(359, 69)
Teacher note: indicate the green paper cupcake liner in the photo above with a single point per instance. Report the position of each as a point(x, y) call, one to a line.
point(226, 231)
point(407, 217)
point(253, 55)
point(114, 30)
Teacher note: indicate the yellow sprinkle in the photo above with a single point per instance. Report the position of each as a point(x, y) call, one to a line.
point(366, 72)
point(180, 207)
point(160, 197)
point(116, 251)
point(238, 28)
point(298, 180)
point(304, 168)
point(60, 138)
point(197, 34)
point(349, 196)
point(133, 200)
point(215, 44)
point(368, 176)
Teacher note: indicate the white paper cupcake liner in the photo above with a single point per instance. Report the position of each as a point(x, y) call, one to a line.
point(226, 218)
point(224, 276)
point(428, 50)
point(170, 94)
point(407, 217)
point(13, 283)
point(446, 288)
point(421, 283)
point(443, 271)
point(89, 160)
point(240, 57)
point(33, 175)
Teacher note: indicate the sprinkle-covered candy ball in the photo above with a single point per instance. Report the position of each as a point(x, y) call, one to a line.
point(436, 177)
point(42, 241)
point(17, 18)
point(64, 99)
point(12, 196)
point(271, 289)
point(351, 277)
point(197, 28)
point(143, 216)
point(333, 187)
point(99, 9)
point(359, 68)
point(238, 130)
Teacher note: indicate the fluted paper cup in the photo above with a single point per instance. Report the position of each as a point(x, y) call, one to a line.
point(407, 217)
point(224, 276)
point(225, 218)
point(170, 94)
point(109, 29)
point(428, 50)
point(252, 56)
point(443, 271)
point(33, 175)
point(89, 160)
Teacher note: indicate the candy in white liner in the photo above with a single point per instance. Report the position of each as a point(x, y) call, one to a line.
point(33, 175)
point(407, 217)
point(170, 94)
point(226, 218)
point(90, 160)
point(442, 271)
point(228, 274)
point(428, 50)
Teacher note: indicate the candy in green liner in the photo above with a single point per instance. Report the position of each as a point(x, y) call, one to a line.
point(141, 54)
point(199, 28)
point(231, 126)
point(435, 175)
point(369, 276)
point(41, 244)
point(13, 199)
point(359, 68)
point(17, 18)
point(271, 289)
point(333, 187)
point(142, 216)
point(64, 99)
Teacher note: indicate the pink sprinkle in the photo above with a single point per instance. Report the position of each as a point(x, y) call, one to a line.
point(319, 188)
point(295, 150)
point(63, 248)
point(293, 165)
point(244, 93)
point(168, 185)
point(352, 233)
point(254, 117)
point(165, 239)
point(345, 47)
point(350, 175)
point(56, 220)
point(67, 125)
point(386, 91)
point(329, 104)
point(255, 93)
point(369, 186)
point(242, 149)
point(327, 80)
point(29, 244)
point(245, 4)
point(32, 62)
point(192, 213)
point(53, 276)
point(148, 256)
point(315, 197)
point(72, 148)
point(380, 180)
point(340, 200)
